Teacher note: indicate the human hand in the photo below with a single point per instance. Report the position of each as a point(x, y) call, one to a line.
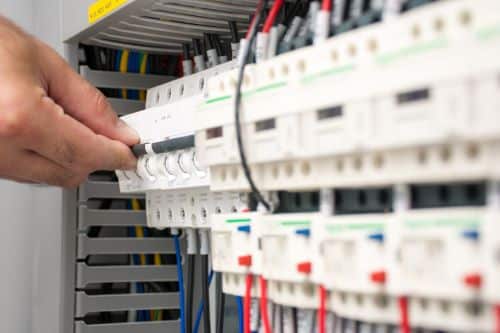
point(55, 128)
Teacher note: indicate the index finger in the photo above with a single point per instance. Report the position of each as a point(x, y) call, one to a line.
point(72, 145)
point(81, 100)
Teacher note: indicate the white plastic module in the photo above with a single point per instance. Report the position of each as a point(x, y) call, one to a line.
point(383, 96)
point(232, 249)
point(192, 208)
point(490, 238)
point(286, 259)
point(170, 114)
point(424, 246)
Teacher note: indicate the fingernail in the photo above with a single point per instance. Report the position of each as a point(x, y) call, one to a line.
point(128, 132)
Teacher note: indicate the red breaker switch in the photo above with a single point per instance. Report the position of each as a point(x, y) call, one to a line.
point(245, 261)
point(378, 277)
point(473, 280)
point(304, 267)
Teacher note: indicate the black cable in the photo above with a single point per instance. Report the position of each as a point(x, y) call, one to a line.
point(196, 46)
point(237, 107)
point(221, 303)
point(189, 292)
point(228, 51)
point(217, 44)
point(233, 28)
point(186, 51)
point(205, 294)
point(295, 320)
point(208, 41)
point(165, 146)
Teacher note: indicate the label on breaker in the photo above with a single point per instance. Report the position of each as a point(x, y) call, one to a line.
point(102, 8)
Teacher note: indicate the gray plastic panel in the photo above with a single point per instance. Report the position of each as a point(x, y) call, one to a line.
point(146, 327)
point(174, 18)
point(102, 189)
point(88, 304)
point(88, 246)
point(95, 274)
point(88, 217)
point(75, 18)
point(125, 106)
point(107, 79)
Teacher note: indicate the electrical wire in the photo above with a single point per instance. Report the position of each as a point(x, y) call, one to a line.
point(497, 319)
point(322, 310)
point(201, 307)
point(143, 70)
point(239, 303)
point(252, 32)
point(326, 5)
point(263, 305)
point(404, 317)
point(272, 15)
point(247, 303)
point(189, 292)
point(205, 294)
point(180, 279)
point(124, 67)
point(221, 303)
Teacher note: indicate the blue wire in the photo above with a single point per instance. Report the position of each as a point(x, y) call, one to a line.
point(199, 313)
point(239, 301)
point(180, 278)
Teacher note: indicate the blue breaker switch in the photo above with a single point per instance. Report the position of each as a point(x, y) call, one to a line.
point(303, 232)
point(471, 234)
point(377, 237)
point(245, 228)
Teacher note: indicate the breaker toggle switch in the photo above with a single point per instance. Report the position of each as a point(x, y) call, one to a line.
point(378, 277)
point(304, 267)
point(473, 280)
point(245, 261)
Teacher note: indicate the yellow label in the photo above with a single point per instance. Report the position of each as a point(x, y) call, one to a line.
point(102, 8)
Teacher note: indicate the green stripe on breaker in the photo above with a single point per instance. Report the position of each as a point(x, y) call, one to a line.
point(249, 93)
point(465, 222)
point(357, 226)
point(488, 32)
point(304, 223)
point(238, 220)
point(218, 99)
point(329, 72)
point(389, 57)
point(271, 86)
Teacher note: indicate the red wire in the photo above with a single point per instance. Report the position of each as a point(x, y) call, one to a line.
point(497, 319)
point(322, 310)
point(246, 303)
point(263, 305)
point(272, 15)
point(405, 320)
point(258, 8)
point(326, 5)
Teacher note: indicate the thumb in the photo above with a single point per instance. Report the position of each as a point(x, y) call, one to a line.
point(80, 99)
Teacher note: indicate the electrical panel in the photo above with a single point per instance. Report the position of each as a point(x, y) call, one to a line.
point(347, 175)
